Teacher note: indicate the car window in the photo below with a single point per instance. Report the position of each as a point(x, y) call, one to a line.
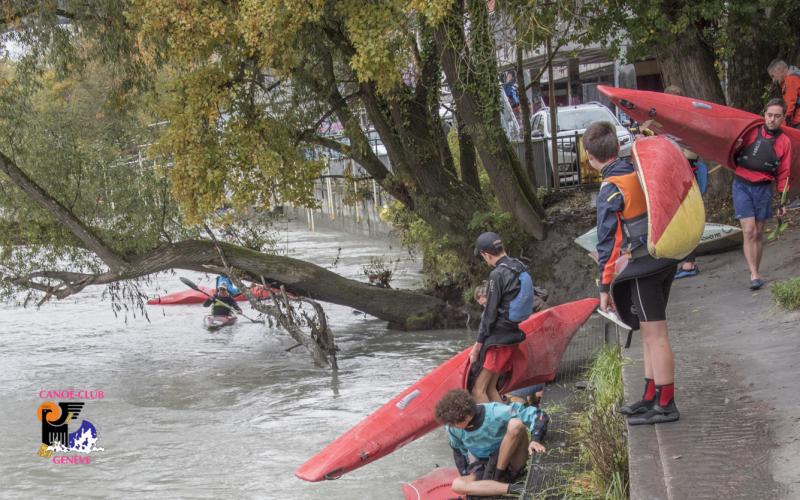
point(575, 119)
point(542, 120)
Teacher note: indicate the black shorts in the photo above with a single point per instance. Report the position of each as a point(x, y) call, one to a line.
point(650, 294)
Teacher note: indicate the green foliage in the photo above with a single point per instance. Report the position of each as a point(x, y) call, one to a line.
point(787, 293)
point(601, 428)
point(442, 264)
point(84, 153)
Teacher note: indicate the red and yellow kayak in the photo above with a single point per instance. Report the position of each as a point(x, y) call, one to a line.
point(711, 130)
point(676, 214)
point(410, 414)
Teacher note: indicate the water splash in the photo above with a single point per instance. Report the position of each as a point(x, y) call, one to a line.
point(83, 440)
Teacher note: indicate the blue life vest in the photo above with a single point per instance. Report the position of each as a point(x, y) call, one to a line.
point(521, 307)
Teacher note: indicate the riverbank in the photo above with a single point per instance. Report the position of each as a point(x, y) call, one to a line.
point(736, 386)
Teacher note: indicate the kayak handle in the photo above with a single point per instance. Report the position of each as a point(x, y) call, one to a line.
point(626, 104)
point(334, 474)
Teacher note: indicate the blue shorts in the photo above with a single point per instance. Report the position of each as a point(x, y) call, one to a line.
point(752, 200)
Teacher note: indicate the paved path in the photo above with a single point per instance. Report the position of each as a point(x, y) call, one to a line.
point(737, 387)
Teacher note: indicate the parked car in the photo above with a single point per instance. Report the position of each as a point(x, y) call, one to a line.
point(572, 121)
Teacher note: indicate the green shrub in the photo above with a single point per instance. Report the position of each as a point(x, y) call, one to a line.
point(787, 293)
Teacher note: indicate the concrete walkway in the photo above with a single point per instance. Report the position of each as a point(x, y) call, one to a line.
point(737, 387)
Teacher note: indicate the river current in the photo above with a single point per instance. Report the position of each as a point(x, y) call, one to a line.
point(190, 414)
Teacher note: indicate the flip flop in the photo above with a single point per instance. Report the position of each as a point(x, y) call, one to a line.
point(685, 273)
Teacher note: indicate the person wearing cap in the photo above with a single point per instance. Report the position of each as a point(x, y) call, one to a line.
point(220, 300)
point(509, 300)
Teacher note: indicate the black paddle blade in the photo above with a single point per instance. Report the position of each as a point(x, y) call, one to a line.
point(189, 283)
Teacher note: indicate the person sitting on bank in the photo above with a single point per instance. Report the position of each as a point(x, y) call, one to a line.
point(640, 285)
point(764, 156)
point(509, 300)
point(224, 297)
point(496, 435)
point(789, 81)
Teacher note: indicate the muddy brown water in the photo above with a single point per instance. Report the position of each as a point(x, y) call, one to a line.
point(191, 414)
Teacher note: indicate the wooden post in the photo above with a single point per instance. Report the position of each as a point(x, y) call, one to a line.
point(551, 98)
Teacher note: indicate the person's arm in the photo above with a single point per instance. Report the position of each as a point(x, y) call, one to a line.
point(489, 316)
point(792, 86)
point(459, 453)
point(609, 237)
point(785, 166)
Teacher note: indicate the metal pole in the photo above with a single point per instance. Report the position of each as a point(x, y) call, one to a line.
point(551, 98)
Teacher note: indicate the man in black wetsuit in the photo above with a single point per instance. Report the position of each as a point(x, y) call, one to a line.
point(223, 296)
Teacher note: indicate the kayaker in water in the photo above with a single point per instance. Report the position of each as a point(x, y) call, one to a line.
point(496, 435)
point(637, 283)
point(764, 156)
point(509, 300)
point(223, 296)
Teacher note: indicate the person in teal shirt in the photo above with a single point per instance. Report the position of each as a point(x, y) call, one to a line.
point(496, 435)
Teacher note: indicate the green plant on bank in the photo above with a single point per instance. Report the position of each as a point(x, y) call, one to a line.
point(787, 293)
point(600, 431)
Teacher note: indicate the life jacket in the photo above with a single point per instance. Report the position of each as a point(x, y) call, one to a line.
point(760, 156)
point(521, 306)
point(634, 212)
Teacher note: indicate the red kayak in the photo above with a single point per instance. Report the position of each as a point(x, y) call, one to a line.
point(410, 415)
point(709, 129)
point(213, 323)
point(436, 485)
point(190, 296)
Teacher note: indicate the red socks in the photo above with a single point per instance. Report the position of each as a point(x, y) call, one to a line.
point(649, 389)
point(666, 394)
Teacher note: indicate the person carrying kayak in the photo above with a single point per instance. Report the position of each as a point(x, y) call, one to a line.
point(496, 435)
point(630, 278)
point(763, 156)
point(223, 296)
point(789, 81)
point(509, 300)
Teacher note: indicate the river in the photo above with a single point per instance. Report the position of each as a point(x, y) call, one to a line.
point(190, 414)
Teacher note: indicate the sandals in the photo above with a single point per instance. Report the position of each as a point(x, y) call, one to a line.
point(685, 273)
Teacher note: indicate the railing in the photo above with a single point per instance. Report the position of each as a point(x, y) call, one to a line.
point(572, 168)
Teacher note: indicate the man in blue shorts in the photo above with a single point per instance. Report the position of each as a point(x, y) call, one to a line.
point(764, 157)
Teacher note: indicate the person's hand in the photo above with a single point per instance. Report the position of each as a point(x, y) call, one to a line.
point(474, 353)
point(605, 301)
point(738, 143)
point(782, 210)
point(537, 447)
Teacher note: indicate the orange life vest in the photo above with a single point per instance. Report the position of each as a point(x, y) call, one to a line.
point(634, 211)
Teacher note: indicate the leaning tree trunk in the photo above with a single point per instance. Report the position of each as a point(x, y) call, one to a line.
point(403, 309)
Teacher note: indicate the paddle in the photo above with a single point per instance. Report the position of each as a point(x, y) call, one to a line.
point(778, 231)
point(190, 284)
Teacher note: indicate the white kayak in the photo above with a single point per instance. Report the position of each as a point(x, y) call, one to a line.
point(716, 238)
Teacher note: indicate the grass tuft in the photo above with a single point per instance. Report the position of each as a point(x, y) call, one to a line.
point(787, 293)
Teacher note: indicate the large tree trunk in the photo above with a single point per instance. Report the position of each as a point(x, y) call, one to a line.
point(688, 62)
point(471, 75)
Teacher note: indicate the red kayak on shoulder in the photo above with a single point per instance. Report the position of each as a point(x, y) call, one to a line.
point(190, 296)
point(711, 130)
point(410, 414)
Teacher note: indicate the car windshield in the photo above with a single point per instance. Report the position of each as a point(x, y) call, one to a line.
point(579, 119)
